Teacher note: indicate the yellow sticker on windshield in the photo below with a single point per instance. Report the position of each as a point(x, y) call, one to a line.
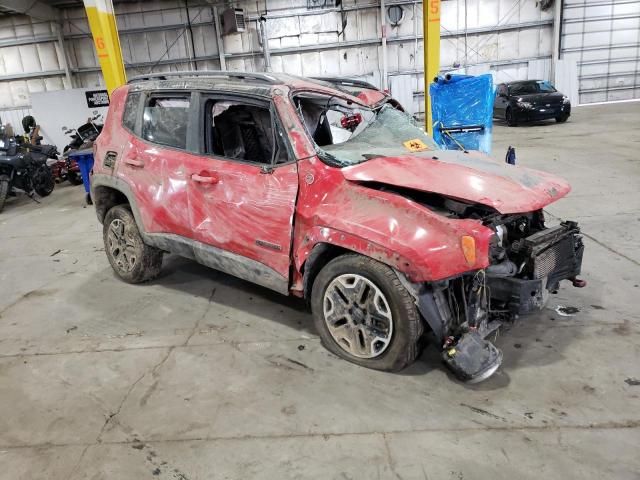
point(415, 145)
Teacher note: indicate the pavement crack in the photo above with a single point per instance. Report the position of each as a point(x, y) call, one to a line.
point(602, 244)
point(112, 415)
point(202, 317)
point(620, 425)
point(612, 250)
point(390, 461)
point(156, 368)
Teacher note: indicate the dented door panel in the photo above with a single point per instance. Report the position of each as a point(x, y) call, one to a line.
point(245, 211)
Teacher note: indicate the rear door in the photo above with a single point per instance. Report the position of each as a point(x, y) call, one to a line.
point(242, 194)
point(157, 160)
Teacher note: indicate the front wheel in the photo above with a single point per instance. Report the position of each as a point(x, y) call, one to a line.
point(4, 190)
point(131, 259)
point(562, 118)
point(363, 314)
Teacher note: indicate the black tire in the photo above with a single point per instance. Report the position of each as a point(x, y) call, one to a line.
point(44, 180)
point(74, 178)
point(4, 191)
point(510, 118)
point(562, 118)
point(141, 262)
point(403, 347)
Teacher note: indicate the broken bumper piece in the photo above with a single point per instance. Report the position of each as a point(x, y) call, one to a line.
point(472, 358)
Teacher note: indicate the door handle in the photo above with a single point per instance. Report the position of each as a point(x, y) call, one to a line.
point(209, 178)
point(134, 162)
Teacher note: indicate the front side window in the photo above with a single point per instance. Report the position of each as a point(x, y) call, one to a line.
point(347, 134)
point(165, 120)
point(244, 132)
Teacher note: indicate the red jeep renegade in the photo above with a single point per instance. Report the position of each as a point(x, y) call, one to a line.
point(327, 190)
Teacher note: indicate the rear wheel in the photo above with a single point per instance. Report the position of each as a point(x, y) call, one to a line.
point(510, 118)
point(4, 190)
point(131, 259)
point(365, 315)
point(74, 178)
point(43, 181)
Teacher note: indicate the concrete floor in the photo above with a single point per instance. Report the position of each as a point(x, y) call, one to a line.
point(201, 376)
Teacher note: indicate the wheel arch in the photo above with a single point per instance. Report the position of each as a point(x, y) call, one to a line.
point(321, 254)
point(108, 191)
point(105, 198)
point(319, 250)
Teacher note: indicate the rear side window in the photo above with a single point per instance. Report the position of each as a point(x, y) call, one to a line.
point(130, 114)
point(165, 120)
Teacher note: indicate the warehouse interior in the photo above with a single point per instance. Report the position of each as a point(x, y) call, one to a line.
point(213, 373)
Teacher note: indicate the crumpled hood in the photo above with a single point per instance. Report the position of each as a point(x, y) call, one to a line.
point(474, 177)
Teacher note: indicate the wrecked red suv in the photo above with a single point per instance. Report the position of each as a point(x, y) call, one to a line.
point(327, 190)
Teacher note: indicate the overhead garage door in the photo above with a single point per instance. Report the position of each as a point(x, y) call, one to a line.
point(603, 37)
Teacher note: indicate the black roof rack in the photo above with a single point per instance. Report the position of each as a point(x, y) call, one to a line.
point(346, 82)
point(259, 77)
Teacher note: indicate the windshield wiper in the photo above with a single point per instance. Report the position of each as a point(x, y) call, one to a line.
point(370, 156)
point(330, 159)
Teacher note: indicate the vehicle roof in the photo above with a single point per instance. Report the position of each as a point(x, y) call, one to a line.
point(519, 82)
point(248, 83)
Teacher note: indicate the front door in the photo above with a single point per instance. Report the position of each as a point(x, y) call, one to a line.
point(242, 196)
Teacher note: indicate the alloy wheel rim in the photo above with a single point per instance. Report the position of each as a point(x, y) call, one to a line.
point(358, 316)
point(121, 246)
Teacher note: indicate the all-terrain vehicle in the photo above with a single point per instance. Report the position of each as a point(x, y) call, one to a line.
point(328, 190)
point(23, 167)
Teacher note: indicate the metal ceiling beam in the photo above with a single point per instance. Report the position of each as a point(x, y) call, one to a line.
point(32, 8)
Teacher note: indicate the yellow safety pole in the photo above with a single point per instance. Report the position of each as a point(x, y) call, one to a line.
point(104, 30)
point(431, 47)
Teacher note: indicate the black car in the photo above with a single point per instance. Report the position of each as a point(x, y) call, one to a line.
point(530, 101)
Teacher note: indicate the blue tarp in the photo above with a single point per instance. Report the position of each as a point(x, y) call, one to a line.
point(463, 101)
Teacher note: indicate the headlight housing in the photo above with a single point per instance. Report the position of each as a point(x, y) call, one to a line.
point(565, 100)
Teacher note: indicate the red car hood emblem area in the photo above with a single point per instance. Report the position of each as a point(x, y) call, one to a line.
point(473, 176)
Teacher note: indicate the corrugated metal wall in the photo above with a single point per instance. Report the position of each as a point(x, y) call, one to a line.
point(306, 37)
point(603, 37)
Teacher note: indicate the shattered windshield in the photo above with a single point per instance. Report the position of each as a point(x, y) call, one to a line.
point(347, 134)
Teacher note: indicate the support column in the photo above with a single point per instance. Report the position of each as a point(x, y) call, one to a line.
point(431, 47)
point(64, 60)
point(383, 35)
point(557, 32)
point(218, 27)
point(104, 30)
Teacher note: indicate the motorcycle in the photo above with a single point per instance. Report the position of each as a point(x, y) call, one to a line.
point(81, 138)
point(23, 167)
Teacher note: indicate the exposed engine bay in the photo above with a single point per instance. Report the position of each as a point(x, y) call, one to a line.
point(527, 262)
